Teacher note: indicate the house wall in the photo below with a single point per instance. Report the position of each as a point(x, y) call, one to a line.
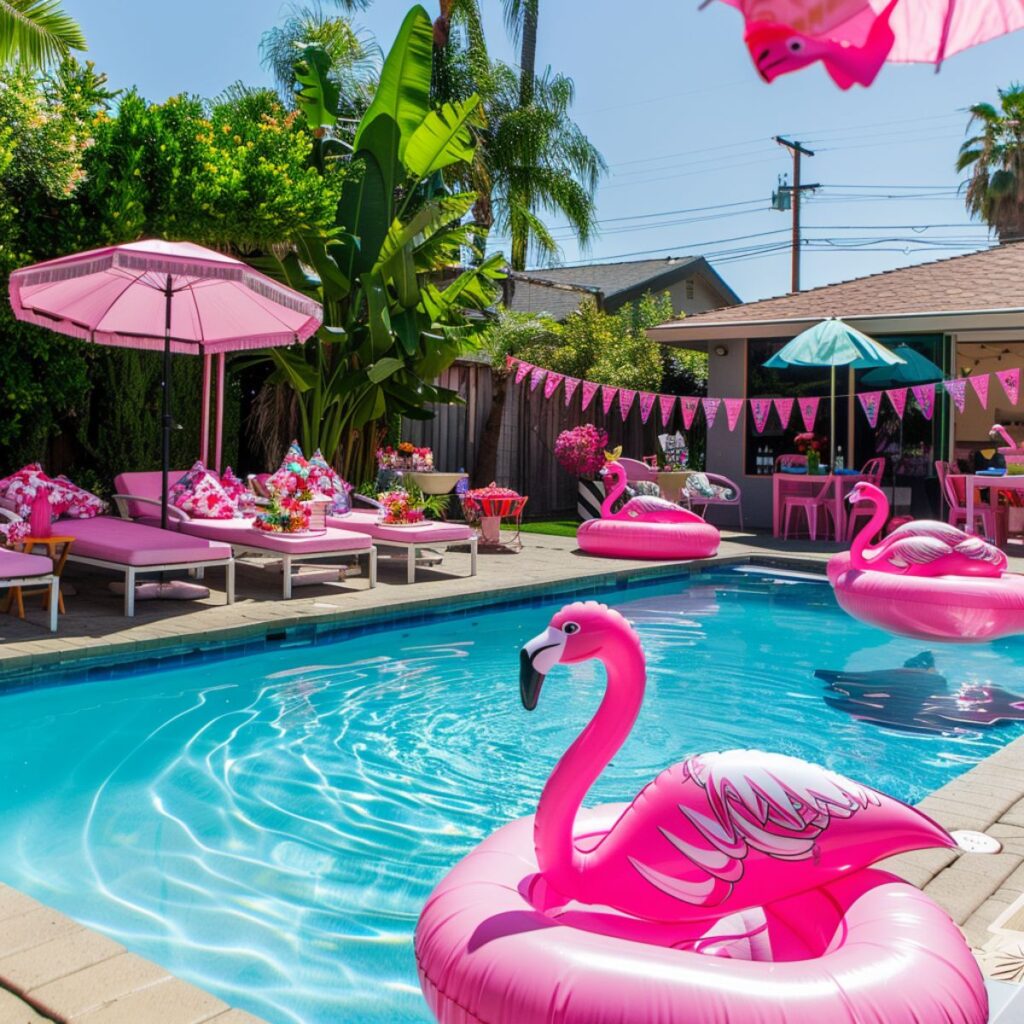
point(973, 424)
point(704, 297)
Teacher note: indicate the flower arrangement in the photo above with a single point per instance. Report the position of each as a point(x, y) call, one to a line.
point(810, 442)
point(398, 508)
point(406, 456)
point(481, 500)
point(282, 515)
point(580, 451)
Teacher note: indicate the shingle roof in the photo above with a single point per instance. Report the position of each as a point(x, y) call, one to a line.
point(992, 279)
point(614, 277)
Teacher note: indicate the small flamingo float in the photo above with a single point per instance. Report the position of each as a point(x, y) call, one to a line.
point(736, 886)
point(927, 580)
point(645, 527)
point(1013, 452)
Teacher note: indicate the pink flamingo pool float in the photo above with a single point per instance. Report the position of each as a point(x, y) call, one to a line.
point(736, 887)
point(1014, 452)
point(645, 527)
point(927, 580)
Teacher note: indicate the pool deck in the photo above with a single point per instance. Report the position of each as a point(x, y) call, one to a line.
point(54, 970)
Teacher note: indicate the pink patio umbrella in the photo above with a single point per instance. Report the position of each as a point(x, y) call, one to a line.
point(174, 297)
point(854, 38)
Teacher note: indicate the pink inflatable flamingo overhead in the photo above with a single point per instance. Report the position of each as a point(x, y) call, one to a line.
point(1011, 447)
point(644, 507)
point(920, 548)
point(714, 834)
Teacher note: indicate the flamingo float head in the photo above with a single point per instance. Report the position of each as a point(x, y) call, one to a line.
point(863, 491)
point(578, 632)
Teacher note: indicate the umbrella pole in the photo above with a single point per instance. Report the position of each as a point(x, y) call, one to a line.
point(165, 455)
point(832, 424)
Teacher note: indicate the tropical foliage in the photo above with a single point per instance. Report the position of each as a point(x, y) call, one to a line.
point(35, 33)
point(995, 158)
point(394, 304)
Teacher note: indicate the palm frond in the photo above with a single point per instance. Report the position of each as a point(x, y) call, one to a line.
point(37, 32)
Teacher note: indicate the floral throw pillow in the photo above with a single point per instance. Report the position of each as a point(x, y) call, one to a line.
point(239, 493)
point(293, 473)
point(81, 504)
point(13, 533)
point(325, 479)
point(699, 486)
point(21, 490)
point(200, 494)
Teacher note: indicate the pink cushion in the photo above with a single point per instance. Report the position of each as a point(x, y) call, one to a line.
point(147, 484)
point(117, 540)
point(14, 565)
point(199, 494)
point(237, 531)
point(426, 533)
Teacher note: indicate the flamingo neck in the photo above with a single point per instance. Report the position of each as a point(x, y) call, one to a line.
point(559, 860)
point(858, 549)
point(613, 493)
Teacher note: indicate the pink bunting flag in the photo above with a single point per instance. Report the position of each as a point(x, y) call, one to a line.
point(710, 409)
point(924, 395)
point(667, 403)
point(552, 382)
point(607, 397)
point(957, 391)
point(809, 412)
point(626, 396)
point(690, 406)
point(522, 370)
point(979, 381)
point(646, 405)
point(760, 407)
point(510, 361)
point(784, 407)
point(898, 399)
point(569, 388)
point(1010, 379)
point(871, 403)
point(536, 376)
point(733, 408)
point(589, 390)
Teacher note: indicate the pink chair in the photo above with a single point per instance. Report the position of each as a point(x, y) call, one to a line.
point(953, 486)
point(637, 470)
point(872, 471)
point(700, 504)
point(811, 504)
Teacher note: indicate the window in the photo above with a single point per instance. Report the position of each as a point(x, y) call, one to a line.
point(691, 290)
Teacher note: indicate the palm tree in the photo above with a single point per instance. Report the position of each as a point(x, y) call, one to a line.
point(995, 190)
point(521, 22)
point(37, 32)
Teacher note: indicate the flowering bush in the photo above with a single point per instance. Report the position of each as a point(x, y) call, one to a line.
point(406, 456)
point(399, 507)
point(282, 515)
point(580, 451)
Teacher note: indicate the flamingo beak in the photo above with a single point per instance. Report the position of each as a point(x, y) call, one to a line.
point(537, 658)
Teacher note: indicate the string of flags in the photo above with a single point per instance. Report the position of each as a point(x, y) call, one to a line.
point(871, 402)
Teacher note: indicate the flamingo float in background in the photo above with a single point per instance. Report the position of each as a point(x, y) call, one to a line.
point(645, 507)
point(1011, 447)
point(923, 547)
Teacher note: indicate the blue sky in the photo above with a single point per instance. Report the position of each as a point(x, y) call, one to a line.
point(669, 96)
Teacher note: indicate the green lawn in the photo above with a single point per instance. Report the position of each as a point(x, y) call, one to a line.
point(553, 527)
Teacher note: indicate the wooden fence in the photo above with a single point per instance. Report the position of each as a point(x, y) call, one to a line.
point(531, 423)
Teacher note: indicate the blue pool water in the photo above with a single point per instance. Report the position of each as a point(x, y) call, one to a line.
point(269, 825)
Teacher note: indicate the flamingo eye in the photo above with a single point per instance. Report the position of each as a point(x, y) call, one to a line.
point(795, 45)
point(570, 628)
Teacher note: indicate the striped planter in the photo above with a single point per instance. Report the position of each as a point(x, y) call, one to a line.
point(588, 499)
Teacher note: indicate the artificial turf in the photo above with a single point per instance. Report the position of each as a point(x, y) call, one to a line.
point(552, 527)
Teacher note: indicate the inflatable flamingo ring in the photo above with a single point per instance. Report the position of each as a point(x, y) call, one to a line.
point(736, 887)
point(645, 527)
point(927, 580)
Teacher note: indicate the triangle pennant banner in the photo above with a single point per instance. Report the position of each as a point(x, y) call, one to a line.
point(924, 395)
point(733, 408)
point(522, 370)
point(536, 376)
point(979, 381)
point(809, 412)
point(510, 361)
point(1010, 379)
point(760, 407)
point(784, 407)
point(710, 409)
point(871, 403)
point(607, 397)
point(690, 406)
point(626, 396)
point(667, 403)
point(646, 405)
point(589, 390)
point(898, 399)
point(552, 382)
point(569, 388)
point(957, 391)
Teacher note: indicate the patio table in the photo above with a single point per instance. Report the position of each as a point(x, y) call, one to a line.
point(803, 485)
point(672, 481)
point(973, 482)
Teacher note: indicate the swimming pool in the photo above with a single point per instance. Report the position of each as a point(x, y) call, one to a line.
point(268, 825)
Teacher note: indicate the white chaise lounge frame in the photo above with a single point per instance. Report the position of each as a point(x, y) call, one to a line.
point(47, 579)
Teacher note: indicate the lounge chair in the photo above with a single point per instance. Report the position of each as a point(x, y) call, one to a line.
point(138, 493)
point(20, 570)
point(135, 549)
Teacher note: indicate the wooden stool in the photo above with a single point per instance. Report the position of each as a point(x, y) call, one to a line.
point(58, 548)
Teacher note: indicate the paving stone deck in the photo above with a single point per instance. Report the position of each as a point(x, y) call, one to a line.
point(55, 971)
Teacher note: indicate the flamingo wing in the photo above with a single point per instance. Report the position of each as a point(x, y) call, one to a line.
point(645, 503)
point(922, 549)
point(929, 528)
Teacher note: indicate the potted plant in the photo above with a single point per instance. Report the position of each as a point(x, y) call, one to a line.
point(407, 506)
point(580, 451)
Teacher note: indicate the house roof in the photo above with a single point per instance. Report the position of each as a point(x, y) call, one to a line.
point(980, 290)
point(560, 290)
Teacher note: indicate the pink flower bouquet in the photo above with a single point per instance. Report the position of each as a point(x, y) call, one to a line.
point(580, 451)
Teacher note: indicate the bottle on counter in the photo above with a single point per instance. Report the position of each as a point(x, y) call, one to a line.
point(840, 462)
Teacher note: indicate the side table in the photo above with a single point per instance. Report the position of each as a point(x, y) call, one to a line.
point(58, 548)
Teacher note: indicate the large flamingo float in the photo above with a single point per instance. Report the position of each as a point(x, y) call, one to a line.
point(735, 887)
point(645, 527)
point(1014, 452)
point(926, 579)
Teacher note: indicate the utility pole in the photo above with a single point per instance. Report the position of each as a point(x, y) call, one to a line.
point(796, 188)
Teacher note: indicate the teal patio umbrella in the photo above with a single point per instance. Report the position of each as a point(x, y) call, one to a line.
point(833, 343)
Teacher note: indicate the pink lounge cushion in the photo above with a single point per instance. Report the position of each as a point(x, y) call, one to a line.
point(425, 533)
point(14, 565)
point(117, 540)
point(244, 535)
point(144, 484)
